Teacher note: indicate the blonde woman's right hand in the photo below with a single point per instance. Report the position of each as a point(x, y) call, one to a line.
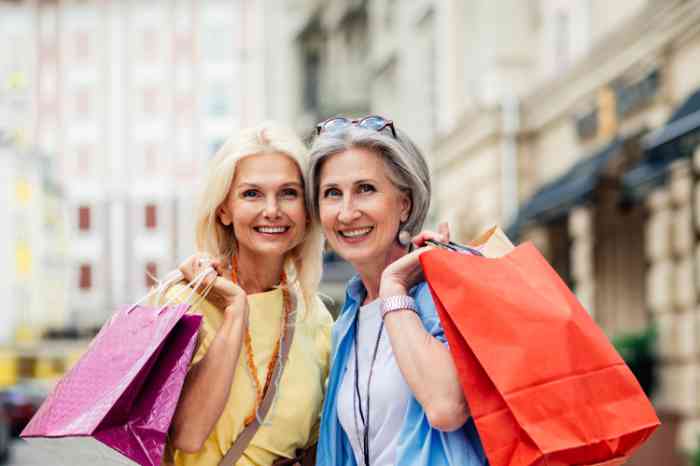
point(224, 293)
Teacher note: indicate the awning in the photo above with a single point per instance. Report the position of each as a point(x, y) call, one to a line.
point(677, 139)
point(557, 198)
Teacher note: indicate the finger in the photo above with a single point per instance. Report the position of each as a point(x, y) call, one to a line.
point(186, 267)
point(220, 268)
point(444, 230)
point(426, 235)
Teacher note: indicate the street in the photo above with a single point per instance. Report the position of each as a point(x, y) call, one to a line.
point(23, 455)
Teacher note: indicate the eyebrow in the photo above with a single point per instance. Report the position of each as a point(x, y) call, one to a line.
point(334, 185)
point(285, 185)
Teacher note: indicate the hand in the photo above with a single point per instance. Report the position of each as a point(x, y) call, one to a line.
point(224, 293)
point(404, 273)
point(442, 235)
point(194, 264)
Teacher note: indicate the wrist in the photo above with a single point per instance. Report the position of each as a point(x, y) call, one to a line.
point(236, 311)
point(396, 303)
point(390, 288)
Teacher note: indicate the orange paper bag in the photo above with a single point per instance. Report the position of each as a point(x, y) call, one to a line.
point(544, 384)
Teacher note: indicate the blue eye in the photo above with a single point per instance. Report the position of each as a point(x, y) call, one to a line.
point(366, 188)
point(290, 193)
point(332, 192)
point(250, 193)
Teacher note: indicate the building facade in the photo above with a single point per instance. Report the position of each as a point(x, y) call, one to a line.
point(602, 189)
point(550, 118)
point(130, 99)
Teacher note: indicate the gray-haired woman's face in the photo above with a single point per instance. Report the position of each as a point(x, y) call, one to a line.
point(360, 208)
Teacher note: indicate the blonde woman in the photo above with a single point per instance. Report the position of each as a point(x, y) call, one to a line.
point(252, 227)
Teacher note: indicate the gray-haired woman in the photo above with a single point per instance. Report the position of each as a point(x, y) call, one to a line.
point(393, 394)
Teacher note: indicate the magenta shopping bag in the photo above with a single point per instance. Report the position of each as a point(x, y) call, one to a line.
point(116, 404)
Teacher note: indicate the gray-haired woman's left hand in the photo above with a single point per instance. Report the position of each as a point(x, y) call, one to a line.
point(402, 274)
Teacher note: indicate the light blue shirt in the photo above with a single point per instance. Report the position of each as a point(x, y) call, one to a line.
point(419, 444)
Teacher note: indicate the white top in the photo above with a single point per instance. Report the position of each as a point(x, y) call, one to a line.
point(390, 393)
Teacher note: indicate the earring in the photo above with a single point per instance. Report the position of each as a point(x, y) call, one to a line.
point(404, 238)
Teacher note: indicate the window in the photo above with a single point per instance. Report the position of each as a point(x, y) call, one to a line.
point(150, 157)
point(150, 101)
point(84, 218)
point(82, 102)
point(151, 217)
point(85, 278)
point(183, 47)
point(150, 45)
point(82, 45)
point(47, 52)
point(151, 274)
point(82, 154)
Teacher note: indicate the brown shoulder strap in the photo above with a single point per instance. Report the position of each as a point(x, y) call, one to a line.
point(244, 438)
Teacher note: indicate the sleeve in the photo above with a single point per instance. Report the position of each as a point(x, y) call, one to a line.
point(323, 339)
point(428, 312)
point(323, 346)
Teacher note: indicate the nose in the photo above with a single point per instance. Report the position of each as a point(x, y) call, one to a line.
point(272, 209)
point(348, 211)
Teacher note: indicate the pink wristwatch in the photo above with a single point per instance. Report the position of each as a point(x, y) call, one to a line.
point(398, 303)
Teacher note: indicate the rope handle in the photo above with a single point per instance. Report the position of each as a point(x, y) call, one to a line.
point(172, 278)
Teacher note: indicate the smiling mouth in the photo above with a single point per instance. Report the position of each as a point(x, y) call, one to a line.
point(272, 230)
point(356, 233)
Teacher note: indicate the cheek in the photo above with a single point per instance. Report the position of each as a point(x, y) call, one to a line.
point(242, 214)
point(327, 216)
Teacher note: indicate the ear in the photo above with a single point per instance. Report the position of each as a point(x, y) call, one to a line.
point(405, 206)
point(224, 215)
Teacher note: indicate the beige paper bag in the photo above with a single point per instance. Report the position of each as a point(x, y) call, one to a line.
point(492, 243)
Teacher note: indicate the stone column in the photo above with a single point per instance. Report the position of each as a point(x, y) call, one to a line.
point(582, 242)
point(672, 296)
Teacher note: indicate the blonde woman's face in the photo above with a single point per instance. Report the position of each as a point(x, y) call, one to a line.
point(266, 205)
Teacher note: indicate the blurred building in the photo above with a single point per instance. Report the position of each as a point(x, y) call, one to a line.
point(131, 98)
point(572, 123)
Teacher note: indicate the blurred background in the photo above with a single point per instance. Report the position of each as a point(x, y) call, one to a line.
point(574, 124)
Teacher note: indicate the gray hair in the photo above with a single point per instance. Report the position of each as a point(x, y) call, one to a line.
point(406, 167)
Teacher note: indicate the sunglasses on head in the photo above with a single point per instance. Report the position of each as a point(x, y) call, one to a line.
point(340, 123)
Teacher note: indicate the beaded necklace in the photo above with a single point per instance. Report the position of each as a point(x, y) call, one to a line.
point(248, 345)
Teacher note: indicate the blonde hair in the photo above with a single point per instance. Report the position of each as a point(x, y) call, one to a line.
point(303, 264)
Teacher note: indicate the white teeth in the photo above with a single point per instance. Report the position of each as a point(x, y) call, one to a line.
point(272, 229)
point(355, 233)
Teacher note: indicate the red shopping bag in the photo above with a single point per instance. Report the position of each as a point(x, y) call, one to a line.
point(544, 384)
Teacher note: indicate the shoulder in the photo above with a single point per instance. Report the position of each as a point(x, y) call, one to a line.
point(316, 313)
point(323, 315)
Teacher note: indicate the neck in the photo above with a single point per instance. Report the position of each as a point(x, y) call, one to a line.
point(259, 273)
point(371, 272)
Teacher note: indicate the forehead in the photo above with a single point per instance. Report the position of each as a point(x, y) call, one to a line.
point(267, 168)
point(353, 164)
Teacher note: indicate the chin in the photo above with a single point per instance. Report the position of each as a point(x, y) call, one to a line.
point(357, 256)
point(271, 250)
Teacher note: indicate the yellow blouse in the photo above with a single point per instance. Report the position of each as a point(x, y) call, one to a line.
point(294, 417)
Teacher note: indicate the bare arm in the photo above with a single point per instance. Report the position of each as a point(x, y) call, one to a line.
point(208, 383)
point(427, 366)
point(424, 361)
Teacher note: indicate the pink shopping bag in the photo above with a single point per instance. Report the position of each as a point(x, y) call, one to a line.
point(116, 404)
